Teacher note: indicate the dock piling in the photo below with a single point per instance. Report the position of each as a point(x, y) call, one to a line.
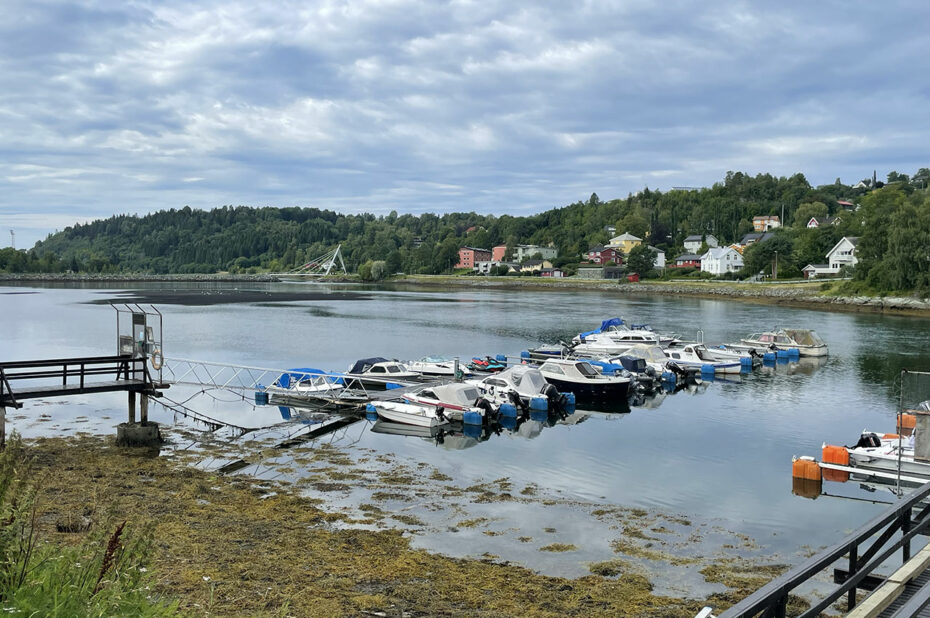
point(132, 407)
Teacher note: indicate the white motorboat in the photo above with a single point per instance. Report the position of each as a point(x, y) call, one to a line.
point(694, 355)
point(454, 399)
point(378, 373)
point(311, 384)
point(807, 342)
point(588, 384)
point(440, 366)
point(617, 330)
point(520, 385)
point(408, 413)
point(652, 354)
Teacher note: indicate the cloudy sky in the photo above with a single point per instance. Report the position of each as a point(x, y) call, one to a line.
point(378, 105)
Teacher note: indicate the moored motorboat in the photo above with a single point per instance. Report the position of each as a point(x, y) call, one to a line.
point(807, 342)
point(441, 366)
point(694, 355)
point(309, 384)
point(458, 401)
point(524, 386)
point(408, 413)
point(379, 373)
point(587, 384)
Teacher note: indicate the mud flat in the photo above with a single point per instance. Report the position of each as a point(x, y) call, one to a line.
point(235, 544)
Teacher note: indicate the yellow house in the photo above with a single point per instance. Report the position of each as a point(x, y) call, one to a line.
point(625, 242)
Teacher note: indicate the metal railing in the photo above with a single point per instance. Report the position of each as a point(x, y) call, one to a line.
point(771, 600)
point(68, 374)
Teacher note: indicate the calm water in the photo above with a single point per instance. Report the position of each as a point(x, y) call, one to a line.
point(721, 453)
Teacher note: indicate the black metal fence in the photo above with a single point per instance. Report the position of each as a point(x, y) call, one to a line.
point(771, 600)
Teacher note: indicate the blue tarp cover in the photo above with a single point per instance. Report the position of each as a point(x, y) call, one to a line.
point(604, 326)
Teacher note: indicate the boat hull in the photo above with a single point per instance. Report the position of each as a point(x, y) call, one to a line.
point(408, 415)
point(596, 392)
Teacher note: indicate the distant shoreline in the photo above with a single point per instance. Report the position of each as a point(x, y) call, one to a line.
point(797, 294)
point(801, 294)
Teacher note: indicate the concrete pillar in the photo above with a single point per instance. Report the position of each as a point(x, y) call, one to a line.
point(144, 409)
point(138, 434)
point(132, 406)
point(922, 436)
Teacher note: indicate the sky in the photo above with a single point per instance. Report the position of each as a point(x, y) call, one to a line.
point(487, 106)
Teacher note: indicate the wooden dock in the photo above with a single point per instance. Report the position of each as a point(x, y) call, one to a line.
point(61, 377)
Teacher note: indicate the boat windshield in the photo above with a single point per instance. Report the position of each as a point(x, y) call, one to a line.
point(586, 370)
point(550, 368)
point(532, 381)
point(806, 337)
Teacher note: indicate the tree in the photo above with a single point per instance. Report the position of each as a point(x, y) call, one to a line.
point(810, 209)
point(641, 260)
point(760, 256)
point(921, 178)
point(635, 224)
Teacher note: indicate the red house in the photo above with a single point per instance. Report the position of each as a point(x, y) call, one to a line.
point(469, 256)
point(498, 253)
point(600, 254)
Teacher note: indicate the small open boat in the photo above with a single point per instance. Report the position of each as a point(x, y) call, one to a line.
point(807, 342)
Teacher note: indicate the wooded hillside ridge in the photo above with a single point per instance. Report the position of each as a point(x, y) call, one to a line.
point(891, 220)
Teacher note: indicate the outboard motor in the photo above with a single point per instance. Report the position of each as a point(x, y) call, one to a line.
point(485, 406)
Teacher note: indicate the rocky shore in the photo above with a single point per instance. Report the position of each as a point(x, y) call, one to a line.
point(107, 278)
point(797, 294)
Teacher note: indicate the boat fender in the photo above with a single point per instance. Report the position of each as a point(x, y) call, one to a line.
point(157, 359)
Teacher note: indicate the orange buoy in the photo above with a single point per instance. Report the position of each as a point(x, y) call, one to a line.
point(835, 455)
point(906, 423)
point(805, 468)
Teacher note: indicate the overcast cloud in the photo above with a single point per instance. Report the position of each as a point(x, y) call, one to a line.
point(380, 105)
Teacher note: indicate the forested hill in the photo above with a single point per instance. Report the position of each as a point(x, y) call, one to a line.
point(244, 239)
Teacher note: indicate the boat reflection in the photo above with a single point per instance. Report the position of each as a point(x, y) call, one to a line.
point(806, 365)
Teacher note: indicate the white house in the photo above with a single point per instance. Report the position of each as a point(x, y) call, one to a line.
point(693, 243)
point(843, 254)
point(818, 222)
point(483, 267)
point(660, 257)
point(720, 260)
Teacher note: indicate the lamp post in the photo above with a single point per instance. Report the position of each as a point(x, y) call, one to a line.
point(775, 268)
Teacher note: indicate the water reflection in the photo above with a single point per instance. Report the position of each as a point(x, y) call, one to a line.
point(722, 452)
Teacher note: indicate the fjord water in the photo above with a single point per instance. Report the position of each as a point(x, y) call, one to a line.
point(720, 453)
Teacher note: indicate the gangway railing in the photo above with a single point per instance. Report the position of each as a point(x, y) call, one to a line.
point(247, 378)
point(772, 599)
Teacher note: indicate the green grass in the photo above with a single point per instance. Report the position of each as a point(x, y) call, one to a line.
point(104, 575)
